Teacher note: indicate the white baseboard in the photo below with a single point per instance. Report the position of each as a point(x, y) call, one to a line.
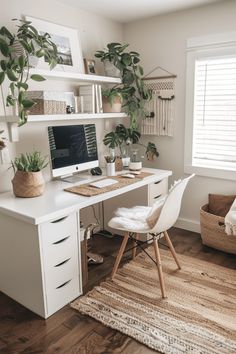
point(188, 224)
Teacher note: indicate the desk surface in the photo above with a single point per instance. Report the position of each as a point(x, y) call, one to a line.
point(56, 203)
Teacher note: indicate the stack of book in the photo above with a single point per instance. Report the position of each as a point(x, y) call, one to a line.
point(91, 98)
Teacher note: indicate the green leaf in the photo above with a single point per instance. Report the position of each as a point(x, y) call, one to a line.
point(27, 103)
point(21, 61)
point(126, 59)
point(3, 64)
point(26, 46)
point(12, 88)
point(23, 85)
point(37, 77)
point(4, 47)
point(11, 75)
point(140, 70)
point(128, 78)
point(4, 32)
point(2, 77)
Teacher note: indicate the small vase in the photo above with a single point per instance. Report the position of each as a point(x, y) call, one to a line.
point(28, 184)
point(111, 170)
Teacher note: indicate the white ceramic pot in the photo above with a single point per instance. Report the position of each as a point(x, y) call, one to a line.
point(111, 169)
point(135, 166)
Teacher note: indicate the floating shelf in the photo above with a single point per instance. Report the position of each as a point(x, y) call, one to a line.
point(63, 117)
point(76, 76)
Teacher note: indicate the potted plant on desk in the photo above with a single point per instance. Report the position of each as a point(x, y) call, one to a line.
point(123, 138)
point(28, 181)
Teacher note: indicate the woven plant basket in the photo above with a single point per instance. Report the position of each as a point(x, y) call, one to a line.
point(213, 232)
point(28, 184)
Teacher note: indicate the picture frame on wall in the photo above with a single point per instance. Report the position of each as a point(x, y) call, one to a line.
point(67, 42)
point(90, 66)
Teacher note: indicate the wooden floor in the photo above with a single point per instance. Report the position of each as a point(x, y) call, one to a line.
point(67, 331)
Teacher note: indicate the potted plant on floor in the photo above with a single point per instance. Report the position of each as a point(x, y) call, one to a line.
point(132, 88)
point(28, 180)
point(17, 50)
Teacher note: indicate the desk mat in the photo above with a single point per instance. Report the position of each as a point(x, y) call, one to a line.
point(88, 191)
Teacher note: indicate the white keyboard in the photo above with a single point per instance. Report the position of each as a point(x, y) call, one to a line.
point(104, 183)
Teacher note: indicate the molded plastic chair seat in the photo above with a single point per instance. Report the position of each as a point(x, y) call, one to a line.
point(161, 216)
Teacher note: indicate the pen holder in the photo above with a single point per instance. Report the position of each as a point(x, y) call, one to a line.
point(111, 170)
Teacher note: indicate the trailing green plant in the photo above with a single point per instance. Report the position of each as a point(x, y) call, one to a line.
point(127, 136)
point(30, 162)
point(112, 94)
point(133, 90)
point(15, 67)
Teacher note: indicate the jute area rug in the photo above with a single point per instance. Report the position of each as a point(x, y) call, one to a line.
point(199, 315)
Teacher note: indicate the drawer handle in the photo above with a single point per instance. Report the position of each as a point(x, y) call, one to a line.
point(64, 262)
point(59, 220)
point(60, 241)
point(158, 196)
point(64, 284)
point(157, 182)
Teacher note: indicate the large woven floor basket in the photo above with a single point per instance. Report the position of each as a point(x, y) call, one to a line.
point(213, 232)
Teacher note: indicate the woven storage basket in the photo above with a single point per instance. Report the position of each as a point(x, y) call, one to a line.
point(28, 184)
point(48, 107)
point(213, 232)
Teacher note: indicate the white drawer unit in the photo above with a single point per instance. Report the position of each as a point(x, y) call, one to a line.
point(61, 261)
point(157, 190)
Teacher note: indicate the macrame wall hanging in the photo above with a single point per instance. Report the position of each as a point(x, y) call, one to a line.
point(159, 118)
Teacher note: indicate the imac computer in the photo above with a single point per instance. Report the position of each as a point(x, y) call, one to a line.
point(73, 148)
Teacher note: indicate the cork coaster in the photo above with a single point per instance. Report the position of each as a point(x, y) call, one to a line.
point(88, 191)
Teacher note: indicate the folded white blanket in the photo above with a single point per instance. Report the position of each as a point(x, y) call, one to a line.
point(136, 213)
point(230, 220)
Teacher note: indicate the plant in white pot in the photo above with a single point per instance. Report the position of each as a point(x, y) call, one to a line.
point(28, 181)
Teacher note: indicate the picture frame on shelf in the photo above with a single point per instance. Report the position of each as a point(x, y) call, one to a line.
point(90, 66)
point(68, 44)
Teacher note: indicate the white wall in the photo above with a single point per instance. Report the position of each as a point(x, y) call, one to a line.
point(161, 40)
point(95, 32)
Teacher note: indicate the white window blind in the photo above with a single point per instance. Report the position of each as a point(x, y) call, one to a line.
point(214, 128)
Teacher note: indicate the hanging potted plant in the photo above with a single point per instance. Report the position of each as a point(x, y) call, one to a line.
point(17, 50)
point(132, 88)
point(28, 181)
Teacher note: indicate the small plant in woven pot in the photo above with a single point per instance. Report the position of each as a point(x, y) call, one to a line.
point(28, 181)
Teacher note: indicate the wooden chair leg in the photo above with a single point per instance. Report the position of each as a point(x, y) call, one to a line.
point(159, 267)
point(172, 250)
point(134, 250)
point(120, 254)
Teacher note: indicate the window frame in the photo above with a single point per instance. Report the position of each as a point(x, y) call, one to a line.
point(200, 48)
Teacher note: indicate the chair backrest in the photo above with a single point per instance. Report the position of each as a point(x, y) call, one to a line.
point(171, 208)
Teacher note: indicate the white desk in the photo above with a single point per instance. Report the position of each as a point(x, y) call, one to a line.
point(40, 259)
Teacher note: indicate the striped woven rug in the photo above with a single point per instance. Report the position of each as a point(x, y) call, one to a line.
point(198, 317)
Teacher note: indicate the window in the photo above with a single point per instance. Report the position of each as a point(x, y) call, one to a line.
point(210, 139)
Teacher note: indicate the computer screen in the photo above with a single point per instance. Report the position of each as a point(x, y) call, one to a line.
point(73, 148)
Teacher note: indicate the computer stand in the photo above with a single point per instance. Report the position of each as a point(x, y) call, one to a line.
point(72, 178)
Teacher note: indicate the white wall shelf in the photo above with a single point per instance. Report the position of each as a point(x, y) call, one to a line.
point(62, 75)
point(63, 117)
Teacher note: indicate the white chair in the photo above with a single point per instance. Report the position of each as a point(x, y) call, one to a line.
point(134, 222)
